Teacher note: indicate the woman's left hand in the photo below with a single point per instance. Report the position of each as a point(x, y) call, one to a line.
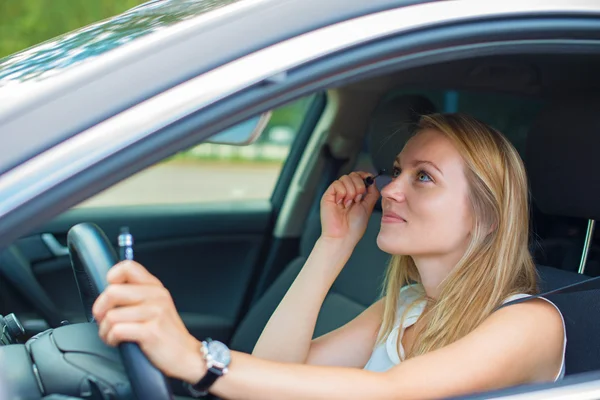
point(136, 307)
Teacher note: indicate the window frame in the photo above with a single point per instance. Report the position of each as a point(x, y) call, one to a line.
point(309, 123)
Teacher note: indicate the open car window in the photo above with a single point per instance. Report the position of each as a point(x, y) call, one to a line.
point(210, 172)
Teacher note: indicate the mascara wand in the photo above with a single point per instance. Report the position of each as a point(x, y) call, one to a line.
point(369, 180)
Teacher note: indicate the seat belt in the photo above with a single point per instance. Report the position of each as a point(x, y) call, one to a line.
point(583, 286)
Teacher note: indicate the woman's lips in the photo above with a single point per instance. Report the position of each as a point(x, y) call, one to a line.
point(392, 217)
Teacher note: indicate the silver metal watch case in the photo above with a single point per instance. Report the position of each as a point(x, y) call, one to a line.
point(217, 355)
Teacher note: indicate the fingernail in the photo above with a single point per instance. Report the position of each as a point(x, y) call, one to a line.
point(347, 203)
point(340, 201)
point(358, 198)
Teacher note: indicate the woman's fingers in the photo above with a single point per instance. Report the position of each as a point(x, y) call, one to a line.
point(350, 190)
point(356, 188)
point(119, 295)
point(137, 308)
point(131, 272)
point(372, 193)
point(138, 313)
point(359, 184)
point(128, 332)
point(339, 191)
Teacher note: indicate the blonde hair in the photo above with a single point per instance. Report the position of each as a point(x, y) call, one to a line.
point(497, 262)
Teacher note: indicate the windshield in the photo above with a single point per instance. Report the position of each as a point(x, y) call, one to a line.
point(53, 56)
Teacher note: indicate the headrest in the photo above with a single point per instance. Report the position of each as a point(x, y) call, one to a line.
point(563, 158)
point(392, 124)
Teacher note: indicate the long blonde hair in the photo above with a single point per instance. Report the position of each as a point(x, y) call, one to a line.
point(497, 262)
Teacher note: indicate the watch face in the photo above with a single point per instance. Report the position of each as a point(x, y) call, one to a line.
point(219, 353)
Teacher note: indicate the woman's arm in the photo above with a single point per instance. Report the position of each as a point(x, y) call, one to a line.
point(345, 210)
point(517, 344)
point(350, 345)
point(288, 334)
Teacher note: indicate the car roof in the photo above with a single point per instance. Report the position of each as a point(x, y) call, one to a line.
point(52, 91)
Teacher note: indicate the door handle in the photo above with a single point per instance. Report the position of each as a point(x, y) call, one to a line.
point(57, 249)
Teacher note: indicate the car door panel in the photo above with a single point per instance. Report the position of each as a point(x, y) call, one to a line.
point(205, 254)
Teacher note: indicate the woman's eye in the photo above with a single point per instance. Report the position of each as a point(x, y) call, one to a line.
point(395, 172)
point(423, 177)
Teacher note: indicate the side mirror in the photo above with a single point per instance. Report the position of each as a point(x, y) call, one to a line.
point(243, 133)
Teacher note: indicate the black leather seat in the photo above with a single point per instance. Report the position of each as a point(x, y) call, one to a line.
point(359, 284)
point(563, 167)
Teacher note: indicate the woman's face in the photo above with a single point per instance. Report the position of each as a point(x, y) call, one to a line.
point(426, 207)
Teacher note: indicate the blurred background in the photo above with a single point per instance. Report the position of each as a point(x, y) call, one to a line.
point(204, 173)
point(24, 23)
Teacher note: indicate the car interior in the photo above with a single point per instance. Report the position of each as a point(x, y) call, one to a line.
point(557, 238)
point(543, 103)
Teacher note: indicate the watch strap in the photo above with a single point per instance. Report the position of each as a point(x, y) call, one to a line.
point(200, 389)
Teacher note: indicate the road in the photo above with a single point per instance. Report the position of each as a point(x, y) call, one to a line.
point(191, 182)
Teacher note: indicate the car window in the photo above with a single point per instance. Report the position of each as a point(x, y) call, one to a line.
point(214, 172)
point(556, 241)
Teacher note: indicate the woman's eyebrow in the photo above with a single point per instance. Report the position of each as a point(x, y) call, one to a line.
point(416, 163)
point(419, 162)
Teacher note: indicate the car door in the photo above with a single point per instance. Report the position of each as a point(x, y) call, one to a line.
point(202, 218)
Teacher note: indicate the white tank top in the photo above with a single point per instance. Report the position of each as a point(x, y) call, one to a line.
point(386, 355)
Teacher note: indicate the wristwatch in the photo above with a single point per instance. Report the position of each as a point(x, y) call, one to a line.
point(217, 357)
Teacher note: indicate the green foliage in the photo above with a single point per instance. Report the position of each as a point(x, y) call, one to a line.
point(291, 114)
point(24, 23)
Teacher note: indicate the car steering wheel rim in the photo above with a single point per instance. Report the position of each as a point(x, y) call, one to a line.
point(92, 255)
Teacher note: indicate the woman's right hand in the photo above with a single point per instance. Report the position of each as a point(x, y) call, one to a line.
point(346, 207)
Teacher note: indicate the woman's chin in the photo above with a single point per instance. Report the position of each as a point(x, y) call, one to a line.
point(390, 245)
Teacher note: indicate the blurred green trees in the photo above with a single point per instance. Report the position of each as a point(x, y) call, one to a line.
point(24, 23)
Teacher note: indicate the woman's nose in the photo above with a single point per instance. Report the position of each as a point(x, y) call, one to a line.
point(394, 189)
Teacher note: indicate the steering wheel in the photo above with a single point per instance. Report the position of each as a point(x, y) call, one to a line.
point(92, 255)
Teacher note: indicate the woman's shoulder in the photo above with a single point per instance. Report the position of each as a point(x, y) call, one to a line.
point(540, 301)
point(539, 321)
point(536, 314)
point(535, 304)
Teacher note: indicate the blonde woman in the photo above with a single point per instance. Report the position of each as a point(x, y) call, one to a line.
point(455, 219)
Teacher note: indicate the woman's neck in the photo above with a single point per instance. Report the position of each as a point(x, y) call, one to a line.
point(433, 271)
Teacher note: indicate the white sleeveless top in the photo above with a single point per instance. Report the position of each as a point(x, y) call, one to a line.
point(385, 355)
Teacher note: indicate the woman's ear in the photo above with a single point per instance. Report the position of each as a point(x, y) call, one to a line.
point(488, 228)
point(492, 228)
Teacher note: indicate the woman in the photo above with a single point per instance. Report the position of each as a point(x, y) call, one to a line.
point(455, 218)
